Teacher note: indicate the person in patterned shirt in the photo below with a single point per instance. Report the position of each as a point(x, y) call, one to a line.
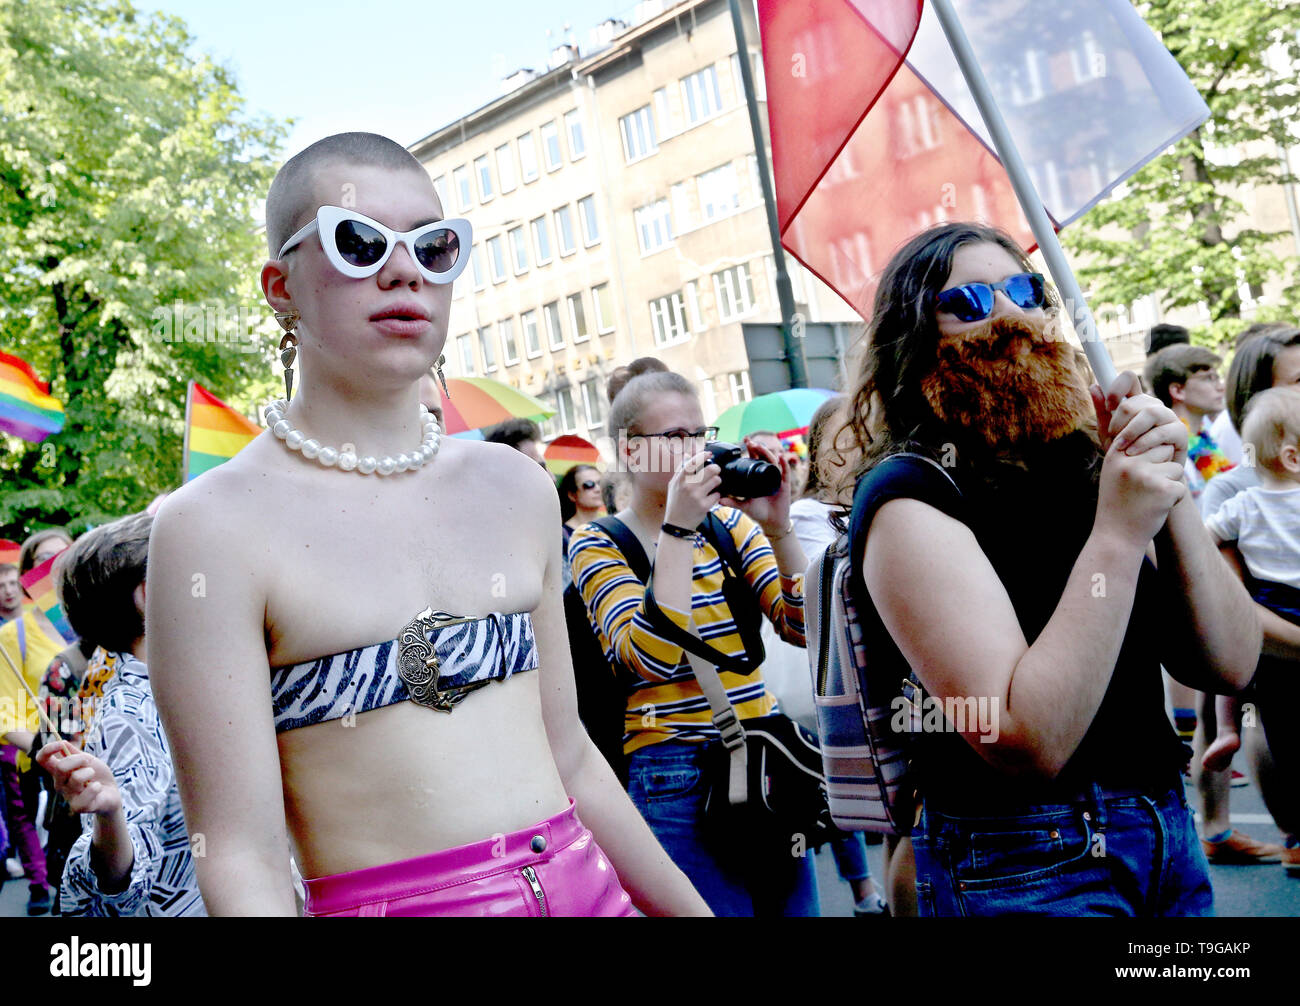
point(133, 856)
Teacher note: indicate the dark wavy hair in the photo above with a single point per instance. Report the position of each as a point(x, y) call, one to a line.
point(569, 484)
point(888, 411)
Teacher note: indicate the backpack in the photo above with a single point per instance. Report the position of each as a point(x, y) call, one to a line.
point(603, 689)
point(858, 701)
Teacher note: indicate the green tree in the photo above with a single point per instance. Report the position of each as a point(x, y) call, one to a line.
point(129, 179)
point(1179, 232)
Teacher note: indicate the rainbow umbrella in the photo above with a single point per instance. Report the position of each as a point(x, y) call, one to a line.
point(477, 402)
point(781, 412)
point(569, 451)
point(9, 551)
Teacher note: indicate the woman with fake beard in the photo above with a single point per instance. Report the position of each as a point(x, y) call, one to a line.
point(1009, 560)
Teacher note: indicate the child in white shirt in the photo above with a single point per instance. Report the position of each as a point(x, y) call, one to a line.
point(1263, 522)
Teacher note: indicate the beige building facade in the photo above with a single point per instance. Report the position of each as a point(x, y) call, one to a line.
point(617, 213)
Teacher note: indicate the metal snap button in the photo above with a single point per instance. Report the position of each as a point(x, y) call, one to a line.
point(538, 844)
point(1087, 816)
point(1055, 834)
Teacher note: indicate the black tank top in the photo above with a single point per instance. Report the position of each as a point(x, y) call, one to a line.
point(1031, 525)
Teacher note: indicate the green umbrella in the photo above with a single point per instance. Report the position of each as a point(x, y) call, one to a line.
point(781, 412)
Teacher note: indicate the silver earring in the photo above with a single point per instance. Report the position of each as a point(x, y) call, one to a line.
point(441, 377)
point(288, 320)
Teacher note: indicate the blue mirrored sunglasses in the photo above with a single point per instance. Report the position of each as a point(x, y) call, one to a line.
point(974, 301)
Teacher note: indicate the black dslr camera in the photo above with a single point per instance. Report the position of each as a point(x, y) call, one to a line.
point(743, 477)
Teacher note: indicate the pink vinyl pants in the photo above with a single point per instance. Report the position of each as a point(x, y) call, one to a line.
point(553, 868)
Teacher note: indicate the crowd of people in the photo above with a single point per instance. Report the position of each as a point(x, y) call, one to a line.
point(1079, 557)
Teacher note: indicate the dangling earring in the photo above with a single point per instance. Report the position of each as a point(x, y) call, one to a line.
point(441, 378)
point(288, 347)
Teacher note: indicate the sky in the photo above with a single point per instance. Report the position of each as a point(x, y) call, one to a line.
point(398, 67)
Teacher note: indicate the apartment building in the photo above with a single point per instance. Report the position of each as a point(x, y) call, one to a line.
point(617, 213)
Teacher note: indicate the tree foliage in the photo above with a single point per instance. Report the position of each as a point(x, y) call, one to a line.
point(1181, 231)
point(129, 179)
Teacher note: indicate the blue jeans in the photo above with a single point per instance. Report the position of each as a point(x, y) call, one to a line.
point(1130, 855)
point(667, 783)
point(851, 856)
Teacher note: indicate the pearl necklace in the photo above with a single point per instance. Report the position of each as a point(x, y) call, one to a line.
point(330, 457)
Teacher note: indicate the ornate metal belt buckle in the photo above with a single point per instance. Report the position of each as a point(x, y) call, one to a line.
point(418, 664)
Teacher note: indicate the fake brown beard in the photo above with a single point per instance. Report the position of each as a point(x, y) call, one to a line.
point(986, 385)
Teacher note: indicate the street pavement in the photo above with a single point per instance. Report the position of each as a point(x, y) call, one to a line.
point(1263, 890)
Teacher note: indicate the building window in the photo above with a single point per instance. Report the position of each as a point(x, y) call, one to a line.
point(669, 316)
point(528, 156)
point(577, 141)
point(476, 266)
point(483, 170)
point(756, 66)
point(551, 146)
point(792, 271)
point(487, 349)
point(519, 250)
point(638, 129)
point(506, 168)
point(578, 318)
point(683, 209)
point(603, 297)
point(461, 177)
point(466, 345)
point(593, 403)
point(497, 256)
point(663, 113)
point(532, 340)
point(554, 333)
point(564, 231)
point(542, 240)
point(508, 344)
point(739, 382)
point(733, 291)
point(440, 187)
point(708, 397)
point(701, 98)
point(654, 226)
point(719, 192)
point(568, 415)
point(590, 226)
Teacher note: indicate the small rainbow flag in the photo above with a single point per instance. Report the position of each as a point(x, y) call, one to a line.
point(39, 584)
point(10, 551)
point(214, 432)
point(26, 408)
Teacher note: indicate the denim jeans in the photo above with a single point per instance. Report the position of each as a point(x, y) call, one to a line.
point(667, 783)
point(1134, 855)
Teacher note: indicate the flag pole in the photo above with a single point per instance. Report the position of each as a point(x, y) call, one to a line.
point(1030, 203)
point(185, 449)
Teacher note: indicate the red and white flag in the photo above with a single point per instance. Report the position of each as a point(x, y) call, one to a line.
point(875, 135)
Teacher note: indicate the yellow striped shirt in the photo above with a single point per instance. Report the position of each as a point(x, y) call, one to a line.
point(666, 703)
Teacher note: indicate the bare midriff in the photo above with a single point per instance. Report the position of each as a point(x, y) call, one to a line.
point(405, 781)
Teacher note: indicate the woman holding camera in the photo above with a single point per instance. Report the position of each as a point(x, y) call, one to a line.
point(670, 736)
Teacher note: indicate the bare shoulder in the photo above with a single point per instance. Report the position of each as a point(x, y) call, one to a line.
point(504, 474)
point(220, 513)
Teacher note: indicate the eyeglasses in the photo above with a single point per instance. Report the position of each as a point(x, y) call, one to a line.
point(1211, 376)
point(358, 247)
point(974, 301)
point(589, 484)
point(677, 436)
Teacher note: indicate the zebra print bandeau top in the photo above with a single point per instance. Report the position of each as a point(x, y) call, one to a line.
point(436, 661)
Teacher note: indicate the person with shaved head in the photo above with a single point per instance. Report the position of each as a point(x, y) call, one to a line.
point(413, 737)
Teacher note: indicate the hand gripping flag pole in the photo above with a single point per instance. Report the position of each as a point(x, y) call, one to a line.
point(1030, 203)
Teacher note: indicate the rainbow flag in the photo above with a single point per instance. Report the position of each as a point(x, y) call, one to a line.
point(26, 408)
point(39, 584)
point(10, 551)
point(214, 432)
